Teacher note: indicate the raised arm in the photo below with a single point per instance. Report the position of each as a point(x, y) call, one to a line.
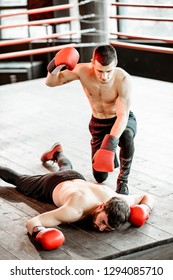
point(67, 57)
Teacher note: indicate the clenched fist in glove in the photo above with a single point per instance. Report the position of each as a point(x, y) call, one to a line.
point(139, 214)
point(68, 57)
point(104, 158)
point(49, 238)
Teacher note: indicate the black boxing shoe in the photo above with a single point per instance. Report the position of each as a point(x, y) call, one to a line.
point(122, 188)
point(51, 154)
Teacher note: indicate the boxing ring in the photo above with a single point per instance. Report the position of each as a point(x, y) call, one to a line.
point(46, 116)
point(90, 30)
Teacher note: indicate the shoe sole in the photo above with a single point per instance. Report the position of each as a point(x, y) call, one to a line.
point(49, 154)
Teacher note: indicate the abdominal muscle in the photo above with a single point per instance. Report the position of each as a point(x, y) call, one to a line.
point(103, 106)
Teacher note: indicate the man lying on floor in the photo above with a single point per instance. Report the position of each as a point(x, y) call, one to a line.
point(76, 199)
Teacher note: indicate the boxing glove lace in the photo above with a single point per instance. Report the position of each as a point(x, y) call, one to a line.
point(49, 238)
point(104, 158)
point(67, 57)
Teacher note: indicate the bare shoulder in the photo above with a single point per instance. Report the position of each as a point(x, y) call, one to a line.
point(82, 68)
point(122, 74)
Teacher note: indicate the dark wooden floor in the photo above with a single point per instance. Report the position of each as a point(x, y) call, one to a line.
point(33, 117)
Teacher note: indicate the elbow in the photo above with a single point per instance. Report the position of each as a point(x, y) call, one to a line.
point(27, 225)
point(30, 224)
point(48, 83)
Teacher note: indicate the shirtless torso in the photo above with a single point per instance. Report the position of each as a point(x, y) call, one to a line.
point(77, 199)
point(87, 193)
point(108, 89)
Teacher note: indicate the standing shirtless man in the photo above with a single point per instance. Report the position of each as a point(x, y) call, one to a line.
point(108, 89)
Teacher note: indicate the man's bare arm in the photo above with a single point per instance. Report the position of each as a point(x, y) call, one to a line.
point(146, 199)
point(61, 78)
point(64, 214)
point(122, 106)
point(67, 57)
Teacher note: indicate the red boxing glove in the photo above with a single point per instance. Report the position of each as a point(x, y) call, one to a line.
point(104, 158)
point(138, 214)
point(68, 57)
point(49, 238)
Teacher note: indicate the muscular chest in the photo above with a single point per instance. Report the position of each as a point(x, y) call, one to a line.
point(106, 94)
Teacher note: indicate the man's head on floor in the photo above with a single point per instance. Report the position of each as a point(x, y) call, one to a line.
point(108, 216)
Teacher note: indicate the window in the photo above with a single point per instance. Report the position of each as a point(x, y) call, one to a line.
point(146, 27)
point(17, 6)
point(7, 7)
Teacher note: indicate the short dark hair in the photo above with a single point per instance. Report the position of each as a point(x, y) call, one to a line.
point(105, 54)
point(118, 211)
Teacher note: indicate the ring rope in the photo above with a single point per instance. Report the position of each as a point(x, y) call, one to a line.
point(142, 18)
point(40, 22)
point(142, 47)
point(45, 50)
point(47, 21)
point(52, 36)
point(130, 36)
point(39, 11)
point(56, 48)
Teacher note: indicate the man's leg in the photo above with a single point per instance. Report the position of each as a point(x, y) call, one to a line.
point(29, 185)
point(126, 143)
point(126, 157)
point(10, 176)
point(56, 154)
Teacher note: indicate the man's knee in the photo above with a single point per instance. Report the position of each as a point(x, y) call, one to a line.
point(100, 176)
point(127, 138)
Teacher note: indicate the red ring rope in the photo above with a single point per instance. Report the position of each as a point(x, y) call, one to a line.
point(142, 18)
point(142, 47)
point(31, 39)
point(130, 36)
point(52, 36)
point(40, 22)
point(45, 50)
point(33, 52)
point(40, 10)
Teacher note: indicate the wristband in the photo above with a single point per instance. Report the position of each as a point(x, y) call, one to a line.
point(57, 69)
point(36, 229)
point(148, 207)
